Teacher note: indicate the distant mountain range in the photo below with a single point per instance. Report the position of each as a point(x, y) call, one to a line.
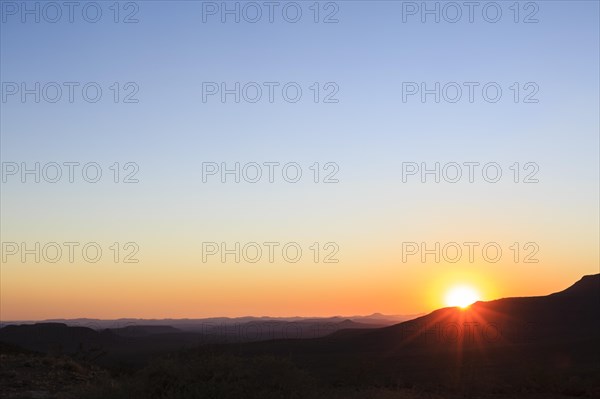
point(135, 340)
point(201, 324)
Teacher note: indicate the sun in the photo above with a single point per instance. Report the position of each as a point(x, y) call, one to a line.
point(462, 296)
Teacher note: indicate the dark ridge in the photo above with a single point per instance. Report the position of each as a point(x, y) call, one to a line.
point(587, 286)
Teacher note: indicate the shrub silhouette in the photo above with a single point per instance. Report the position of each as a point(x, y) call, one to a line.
point(209, 376)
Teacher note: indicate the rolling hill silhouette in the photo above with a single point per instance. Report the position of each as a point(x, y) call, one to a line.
point(572, 314)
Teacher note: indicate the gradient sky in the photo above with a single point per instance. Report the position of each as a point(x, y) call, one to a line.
point(369, 134)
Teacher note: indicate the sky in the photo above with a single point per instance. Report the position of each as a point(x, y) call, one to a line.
point(359, 230)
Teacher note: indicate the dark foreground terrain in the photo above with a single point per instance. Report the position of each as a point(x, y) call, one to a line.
point(536, 347)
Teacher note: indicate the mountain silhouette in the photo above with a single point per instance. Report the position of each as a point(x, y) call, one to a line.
point(572, 314)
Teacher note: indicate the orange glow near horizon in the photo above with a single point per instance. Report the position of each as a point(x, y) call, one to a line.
point(151, 289)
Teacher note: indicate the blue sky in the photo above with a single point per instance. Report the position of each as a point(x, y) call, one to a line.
point(368, 54)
